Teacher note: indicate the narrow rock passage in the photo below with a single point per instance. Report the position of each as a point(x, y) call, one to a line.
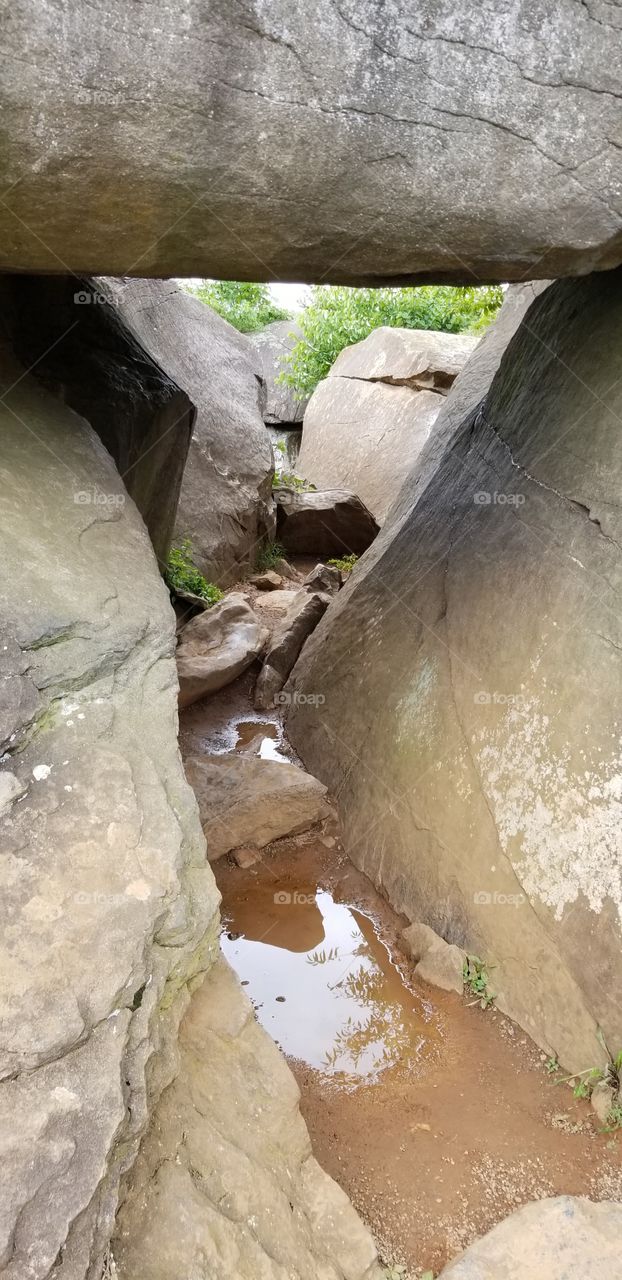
point(436, 1117)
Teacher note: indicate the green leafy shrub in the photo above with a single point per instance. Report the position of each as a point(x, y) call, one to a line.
point(182, 575)
point(269, 555)
point(346, 563)
point(339, 315)
point(476, 979)
point(287, 480)
point(248, 307)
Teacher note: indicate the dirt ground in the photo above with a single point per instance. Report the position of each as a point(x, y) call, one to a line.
point(432, 1155)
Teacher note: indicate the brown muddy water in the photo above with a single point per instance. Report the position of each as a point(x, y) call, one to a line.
point(437, 1118)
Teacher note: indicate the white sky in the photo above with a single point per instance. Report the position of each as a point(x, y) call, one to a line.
point(291, 296)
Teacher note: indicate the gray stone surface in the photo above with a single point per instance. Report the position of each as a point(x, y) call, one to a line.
point(368, 421)
point(225, 505)
point(436, 961)
point(285, 645)
point(354, 141)
point(70, 332)
point(333, 522)
point(226, 1184)
point(244, 800)
point(564, 1238)
point(216, 646)
point(282, 405)
point(469, 665)
point(108, 906)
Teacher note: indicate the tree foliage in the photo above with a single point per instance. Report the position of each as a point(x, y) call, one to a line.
point(339, 315)
point(248, 307)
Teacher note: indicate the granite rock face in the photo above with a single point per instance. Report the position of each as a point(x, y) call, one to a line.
point(334, 142)
point(225, 1184)
point(273, 344)
point(367, 422)
point(225, 505)
point(108, 906)
point(331, 522)
point(470, 664)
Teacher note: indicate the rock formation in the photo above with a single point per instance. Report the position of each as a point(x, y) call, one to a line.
point(216, 646)
point(108, 907)
point(350, 141)
point(282, 408)
point(225, 506)
point(469, 728)
point(225, 1184)
point(333, 522)
point(367, 422)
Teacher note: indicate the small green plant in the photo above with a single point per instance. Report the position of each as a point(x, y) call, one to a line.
point(614, 1118)
point(181, 574)
point(552, 1065)
point(270, 555)
point(287, 480)
point(346, 563)
point(475, 974)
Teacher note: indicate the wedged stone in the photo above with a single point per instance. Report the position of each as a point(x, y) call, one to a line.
point(268, 581)
point(217, 646)
point(469, 665)
point(287, 571)
point(391, 191)
point(244, 800)
point(332, 522)
point(564, 1238)
point(324, 577)
point(285, 645)
point(282, 405)
point(225, 504)
point(107, 901)
point(225, 1184)
point(367, 422)
point(271, 607)
point(436, 961)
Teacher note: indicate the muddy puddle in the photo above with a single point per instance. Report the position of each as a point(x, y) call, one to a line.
point(437, 1118)
point(322, 982)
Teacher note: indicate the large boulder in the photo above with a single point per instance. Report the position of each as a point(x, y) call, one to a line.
point(283, 408)
point(367, 422)
point(357, 142)
point(244, 800)
point(108, 906)
point(563, 1238)
point(216, 646)
point(225, 505)
point(332, 522)
point(469, 665)
point(226, 1184)
point(76, 340)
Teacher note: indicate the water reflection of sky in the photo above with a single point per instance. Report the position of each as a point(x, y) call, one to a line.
point(345, 1009)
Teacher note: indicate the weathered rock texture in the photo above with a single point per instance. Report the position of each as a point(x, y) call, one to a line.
point(470, 728)
point(71, 333)
point(108, 907)
point(564, 1238)
point(367, 422)
point(243, 800)
point(225, 1184)
point(285, 645)
point(225, 505)
point(282, 406)
point(351, 142)
point(333, 522)
point(216, 646)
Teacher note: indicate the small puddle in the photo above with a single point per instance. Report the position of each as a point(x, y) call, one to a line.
point(323, 984)
point(260, 738)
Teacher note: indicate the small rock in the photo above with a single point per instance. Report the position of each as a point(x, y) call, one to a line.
point(268, 581)
point(246, 857)
point(438, 962)
point(287, 571)
point(602, 1099)
point(324, 577)
point(328, 841)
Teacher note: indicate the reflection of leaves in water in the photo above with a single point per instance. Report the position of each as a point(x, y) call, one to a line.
point(323, 957)
point(382, 1035)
